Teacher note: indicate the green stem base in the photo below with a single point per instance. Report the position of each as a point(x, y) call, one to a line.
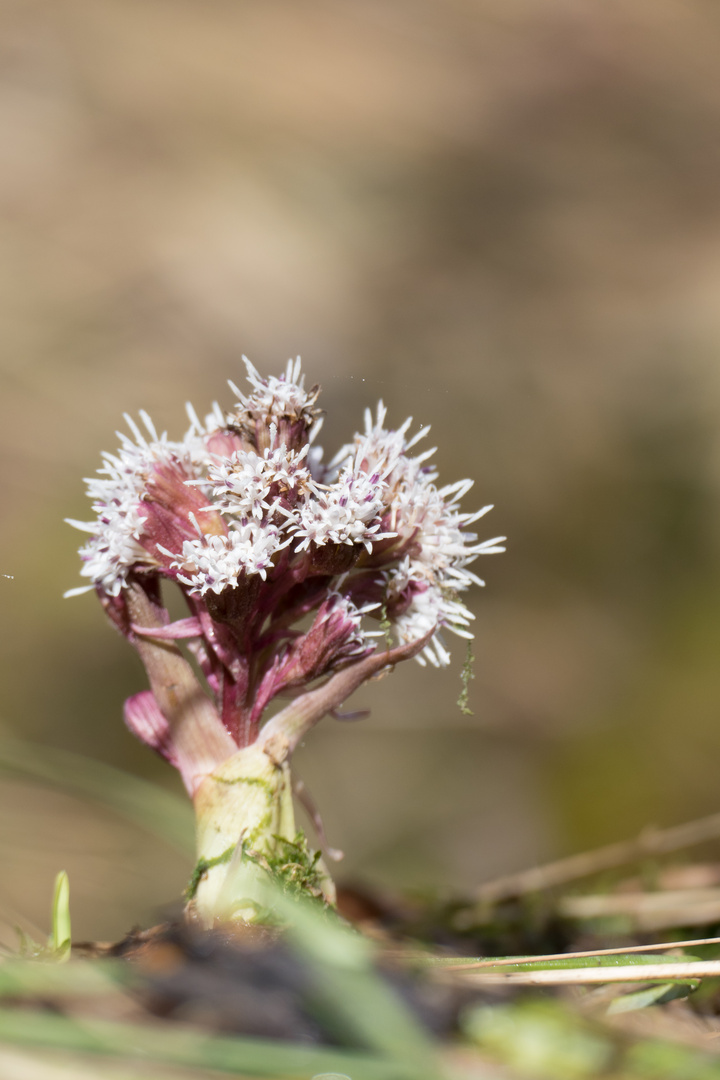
point(244, 811)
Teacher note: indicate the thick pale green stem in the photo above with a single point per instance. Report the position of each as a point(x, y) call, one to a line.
point(244, 809)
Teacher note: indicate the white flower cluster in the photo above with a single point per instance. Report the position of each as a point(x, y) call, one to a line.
point(212, 563)
point(345, 512)
point(276, 397)
point(429, 524)
point(118, 493)
point(263, 505)
point(242, 485)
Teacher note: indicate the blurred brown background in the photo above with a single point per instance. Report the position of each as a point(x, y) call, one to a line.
point(502, 218)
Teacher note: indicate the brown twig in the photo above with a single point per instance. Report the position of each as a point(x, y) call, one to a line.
point(651, 841)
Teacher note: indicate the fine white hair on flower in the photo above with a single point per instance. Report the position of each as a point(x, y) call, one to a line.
point(276, 397)
point(382, 449)
point(214, 420)
point(357, 637)
point(431, 609)
point(433, 518)
point(117, 493)
point(428, 519)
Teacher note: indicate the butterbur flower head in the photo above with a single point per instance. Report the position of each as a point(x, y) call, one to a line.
point(282, 403)
point(287, 572)
point(301, 580)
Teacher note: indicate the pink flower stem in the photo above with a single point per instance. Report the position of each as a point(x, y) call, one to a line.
point(199, 739)
point(281, 735)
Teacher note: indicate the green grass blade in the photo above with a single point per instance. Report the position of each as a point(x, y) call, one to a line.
point(28, 978)
point(61, 933)
point(526, 963)
point(652, 995)
point(177, 1046)
point(355, 1003)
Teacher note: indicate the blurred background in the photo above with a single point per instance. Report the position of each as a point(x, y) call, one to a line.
point(504, 220)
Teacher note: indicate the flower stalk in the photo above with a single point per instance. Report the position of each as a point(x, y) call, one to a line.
point(302, 581)
point(247, 800)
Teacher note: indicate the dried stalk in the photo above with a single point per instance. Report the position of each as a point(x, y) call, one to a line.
point(675, 972)
point(651, 841)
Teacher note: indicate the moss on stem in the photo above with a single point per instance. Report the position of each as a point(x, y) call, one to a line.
point(244, 811)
